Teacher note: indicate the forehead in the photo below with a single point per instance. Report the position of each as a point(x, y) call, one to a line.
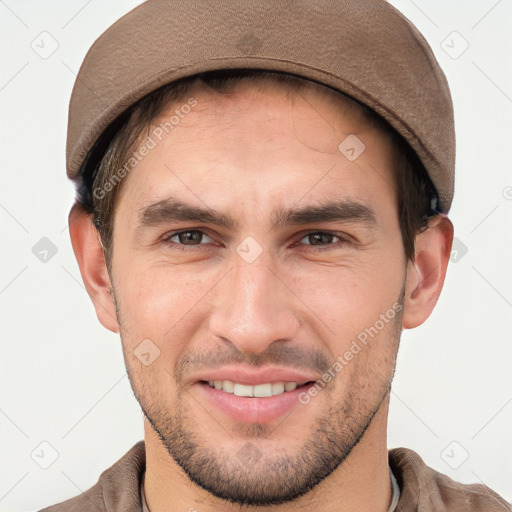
point(309, 108)
point(256, 132)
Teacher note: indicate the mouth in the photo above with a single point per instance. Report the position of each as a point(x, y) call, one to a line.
point(253, 396)
point(264, 390)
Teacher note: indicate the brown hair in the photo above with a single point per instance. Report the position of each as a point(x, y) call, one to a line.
point(416, 195)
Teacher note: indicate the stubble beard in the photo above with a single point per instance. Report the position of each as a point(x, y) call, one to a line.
point(255, 477)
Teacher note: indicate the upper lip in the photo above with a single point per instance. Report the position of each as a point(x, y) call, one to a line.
point(252, 377)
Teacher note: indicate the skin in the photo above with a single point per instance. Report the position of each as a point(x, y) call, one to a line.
point(248, 154)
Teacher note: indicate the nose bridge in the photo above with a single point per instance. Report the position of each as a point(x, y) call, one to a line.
point(254, 307)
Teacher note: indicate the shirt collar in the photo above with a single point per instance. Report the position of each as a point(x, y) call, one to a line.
point(395, 490)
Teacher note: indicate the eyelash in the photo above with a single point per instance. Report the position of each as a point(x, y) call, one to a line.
point(183, 247)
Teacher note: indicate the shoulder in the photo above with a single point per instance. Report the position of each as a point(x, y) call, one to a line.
point(118, 486)
point(424, 489)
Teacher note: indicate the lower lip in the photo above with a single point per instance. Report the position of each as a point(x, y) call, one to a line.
point(253, 410)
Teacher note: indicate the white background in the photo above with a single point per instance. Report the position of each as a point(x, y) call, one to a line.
point(62, 377)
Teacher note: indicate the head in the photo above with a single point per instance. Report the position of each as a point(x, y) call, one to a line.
point(250, 236)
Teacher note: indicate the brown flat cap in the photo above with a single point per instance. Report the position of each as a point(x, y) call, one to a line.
point(364, 48)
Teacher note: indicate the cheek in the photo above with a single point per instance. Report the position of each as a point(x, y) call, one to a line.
point(157, 309)
point(365, 360)
point(350, 297)
point(156, 302)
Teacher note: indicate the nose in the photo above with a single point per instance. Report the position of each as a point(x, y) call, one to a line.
point(254, 306)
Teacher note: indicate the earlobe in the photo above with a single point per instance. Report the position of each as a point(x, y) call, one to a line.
point(91, 260)
point(425, 276)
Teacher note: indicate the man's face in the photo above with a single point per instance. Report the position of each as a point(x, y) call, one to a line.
point(270, 298)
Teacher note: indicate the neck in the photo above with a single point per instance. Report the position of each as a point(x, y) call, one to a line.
point(360, 483)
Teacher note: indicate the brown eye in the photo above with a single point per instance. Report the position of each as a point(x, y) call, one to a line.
point(319, 241)
point(191, 237)
point(321, 238)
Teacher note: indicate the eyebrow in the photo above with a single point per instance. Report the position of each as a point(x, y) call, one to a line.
point(172, 209)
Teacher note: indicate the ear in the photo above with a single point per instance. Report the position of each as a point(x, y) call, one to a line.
point(91, 260)
point(425, 276)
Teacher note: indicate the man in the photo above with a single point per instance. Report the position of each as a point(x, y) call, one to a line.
point(262, 199)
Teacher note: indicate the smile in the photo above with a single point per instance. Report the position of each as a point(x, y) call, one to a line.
point(257, 391)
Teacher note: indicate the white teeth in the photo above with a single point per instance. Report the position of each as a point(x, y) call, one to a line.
point(277, 388)
point(242, 390)
point(262, 390)
point(228, 386)
point(258, 391)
